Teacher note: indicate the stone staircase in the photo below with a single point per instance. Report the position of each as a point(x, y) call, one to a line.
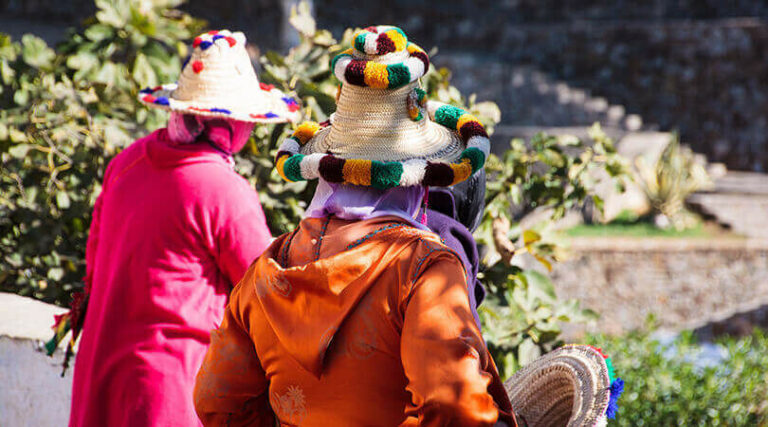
point(738, 201)
point(532, 102)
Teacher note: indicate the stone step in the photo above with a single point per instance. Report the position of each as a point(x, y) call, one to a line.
point(529, 97)
point(745, 214)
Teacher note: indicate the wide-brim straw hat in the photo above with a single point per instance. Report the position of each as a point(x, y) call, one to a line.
point(218, 80)
point(572, 386)
point(384, 132)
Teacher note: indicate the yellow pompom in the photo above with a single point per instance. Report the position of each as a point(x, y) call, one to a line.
point(357, 172)
point(281, 166)
point(305, 131)
point(397, 39)
point(375, 75)
point(461, 171)
point(464, 119)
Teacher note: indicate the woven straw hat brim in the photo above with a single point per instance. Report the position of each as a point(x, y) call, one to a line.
point(567, 387)
point(440, 144)
point(276, 111)
point(373, 124)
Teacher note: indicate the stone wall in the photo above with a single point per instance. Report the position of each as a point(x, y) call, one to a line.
point(693, 65)
point(685, 283)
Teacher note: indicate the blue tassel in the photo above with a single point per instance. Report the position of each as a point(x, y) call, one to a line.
point(617, 387)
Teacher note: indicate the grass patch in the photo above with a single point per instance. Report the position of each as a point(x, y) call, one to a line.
point(640, 229)
point(628, 224)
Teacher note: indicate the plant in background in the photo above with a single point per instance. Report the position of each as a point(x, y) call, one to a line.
point(676, 174)
point(684, 383)
point(547, 178)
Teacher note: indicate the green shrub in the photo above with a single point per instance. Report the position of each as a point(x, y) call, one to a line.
point(664, 387)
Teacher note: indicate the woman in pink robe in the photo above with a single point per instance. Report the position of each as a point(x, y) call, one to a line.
point(173, 230)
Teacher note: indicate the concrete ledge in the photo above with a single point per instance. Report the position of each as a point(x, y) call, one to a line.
point(32, 391)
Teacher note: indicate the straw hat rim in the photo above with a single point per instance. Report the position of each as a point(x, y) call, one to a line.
point(451, 138)
point(281, 113)
point(581, 365)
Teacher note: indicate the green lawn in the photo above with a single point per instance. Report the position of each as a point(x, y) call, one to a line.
point(638, 229)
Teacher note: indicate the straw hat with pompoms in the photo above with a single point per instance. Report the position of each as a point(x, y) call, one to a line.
point(385, 133)
point(218, 80)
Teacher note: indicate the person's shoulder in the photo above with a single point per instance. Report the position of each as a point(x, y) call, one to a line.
point(422, 248)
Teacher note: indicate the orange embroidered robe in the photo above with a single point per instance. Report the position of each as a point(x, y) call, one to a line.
point(351, 324)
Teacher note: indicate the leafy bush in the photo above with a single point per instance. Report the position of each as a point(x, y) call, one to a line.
point(522, 316)
point(67, 111)
point(666, 386)
point(63, 114)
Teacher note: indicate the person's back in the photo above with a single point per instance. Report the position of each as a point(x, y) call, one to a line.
point(166, 253)
point(351, 323)
point(173, 230)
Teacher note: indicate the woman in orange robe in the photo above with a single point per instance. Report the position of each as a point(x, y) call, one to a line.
point(361, 316)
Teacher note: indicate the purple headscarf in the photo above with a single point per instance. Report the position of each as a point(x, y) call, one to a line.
point(358, 203)
point(227, 135)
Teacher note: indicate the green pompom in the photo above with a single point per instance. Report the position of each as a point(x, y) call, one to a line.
point(399, 75)
point(475, 156)
point(385, 175)
point(448, 116)
point(611, 372)
point(292, 168)
point(360, 42)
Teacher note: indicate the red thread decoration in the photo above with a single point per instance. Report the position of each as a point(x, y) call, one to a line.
point(213, 32)
point(197, 42)
point(266, 87)
point(197, 67)
point(148, 98)
point(231, 41)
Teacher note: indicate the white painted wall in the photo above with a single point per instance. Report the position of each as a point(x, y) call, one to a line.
point(32, 391)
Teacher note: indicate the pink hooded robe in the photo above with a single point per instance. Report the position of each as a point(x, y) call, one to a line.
point(173, 230)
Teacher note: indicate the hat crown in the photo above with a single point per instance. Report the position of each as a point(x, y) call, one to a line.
point(381, 58)
point(219, 72)
point(380, 40)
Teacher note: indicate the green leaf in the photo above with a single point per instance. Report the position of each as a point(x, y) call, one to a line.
point(143, 72)
point(540, 286)
point(36, 52)
point(62, 200)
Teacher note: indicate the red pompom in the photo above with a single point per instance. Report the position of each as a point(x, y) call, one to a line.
point(231, 41)
point(148, 98)
point(197, 42)
point(197, 67)
point(266, 87)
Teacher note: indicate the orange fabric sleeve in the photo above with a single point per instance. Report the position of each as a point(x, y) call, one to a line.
point(445, 359)
point(231, 388)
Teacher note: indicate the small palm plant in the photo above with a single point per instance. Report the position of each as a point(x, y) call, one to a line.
point(676, 174)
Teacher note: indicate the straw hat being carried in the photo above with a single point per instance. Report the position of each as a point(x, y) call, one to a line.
point(384, 132)
point(572, 386)
point(218, 80)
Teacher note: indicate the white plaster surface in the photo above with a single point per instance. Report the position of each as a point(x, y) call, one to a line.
point(32, 391)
